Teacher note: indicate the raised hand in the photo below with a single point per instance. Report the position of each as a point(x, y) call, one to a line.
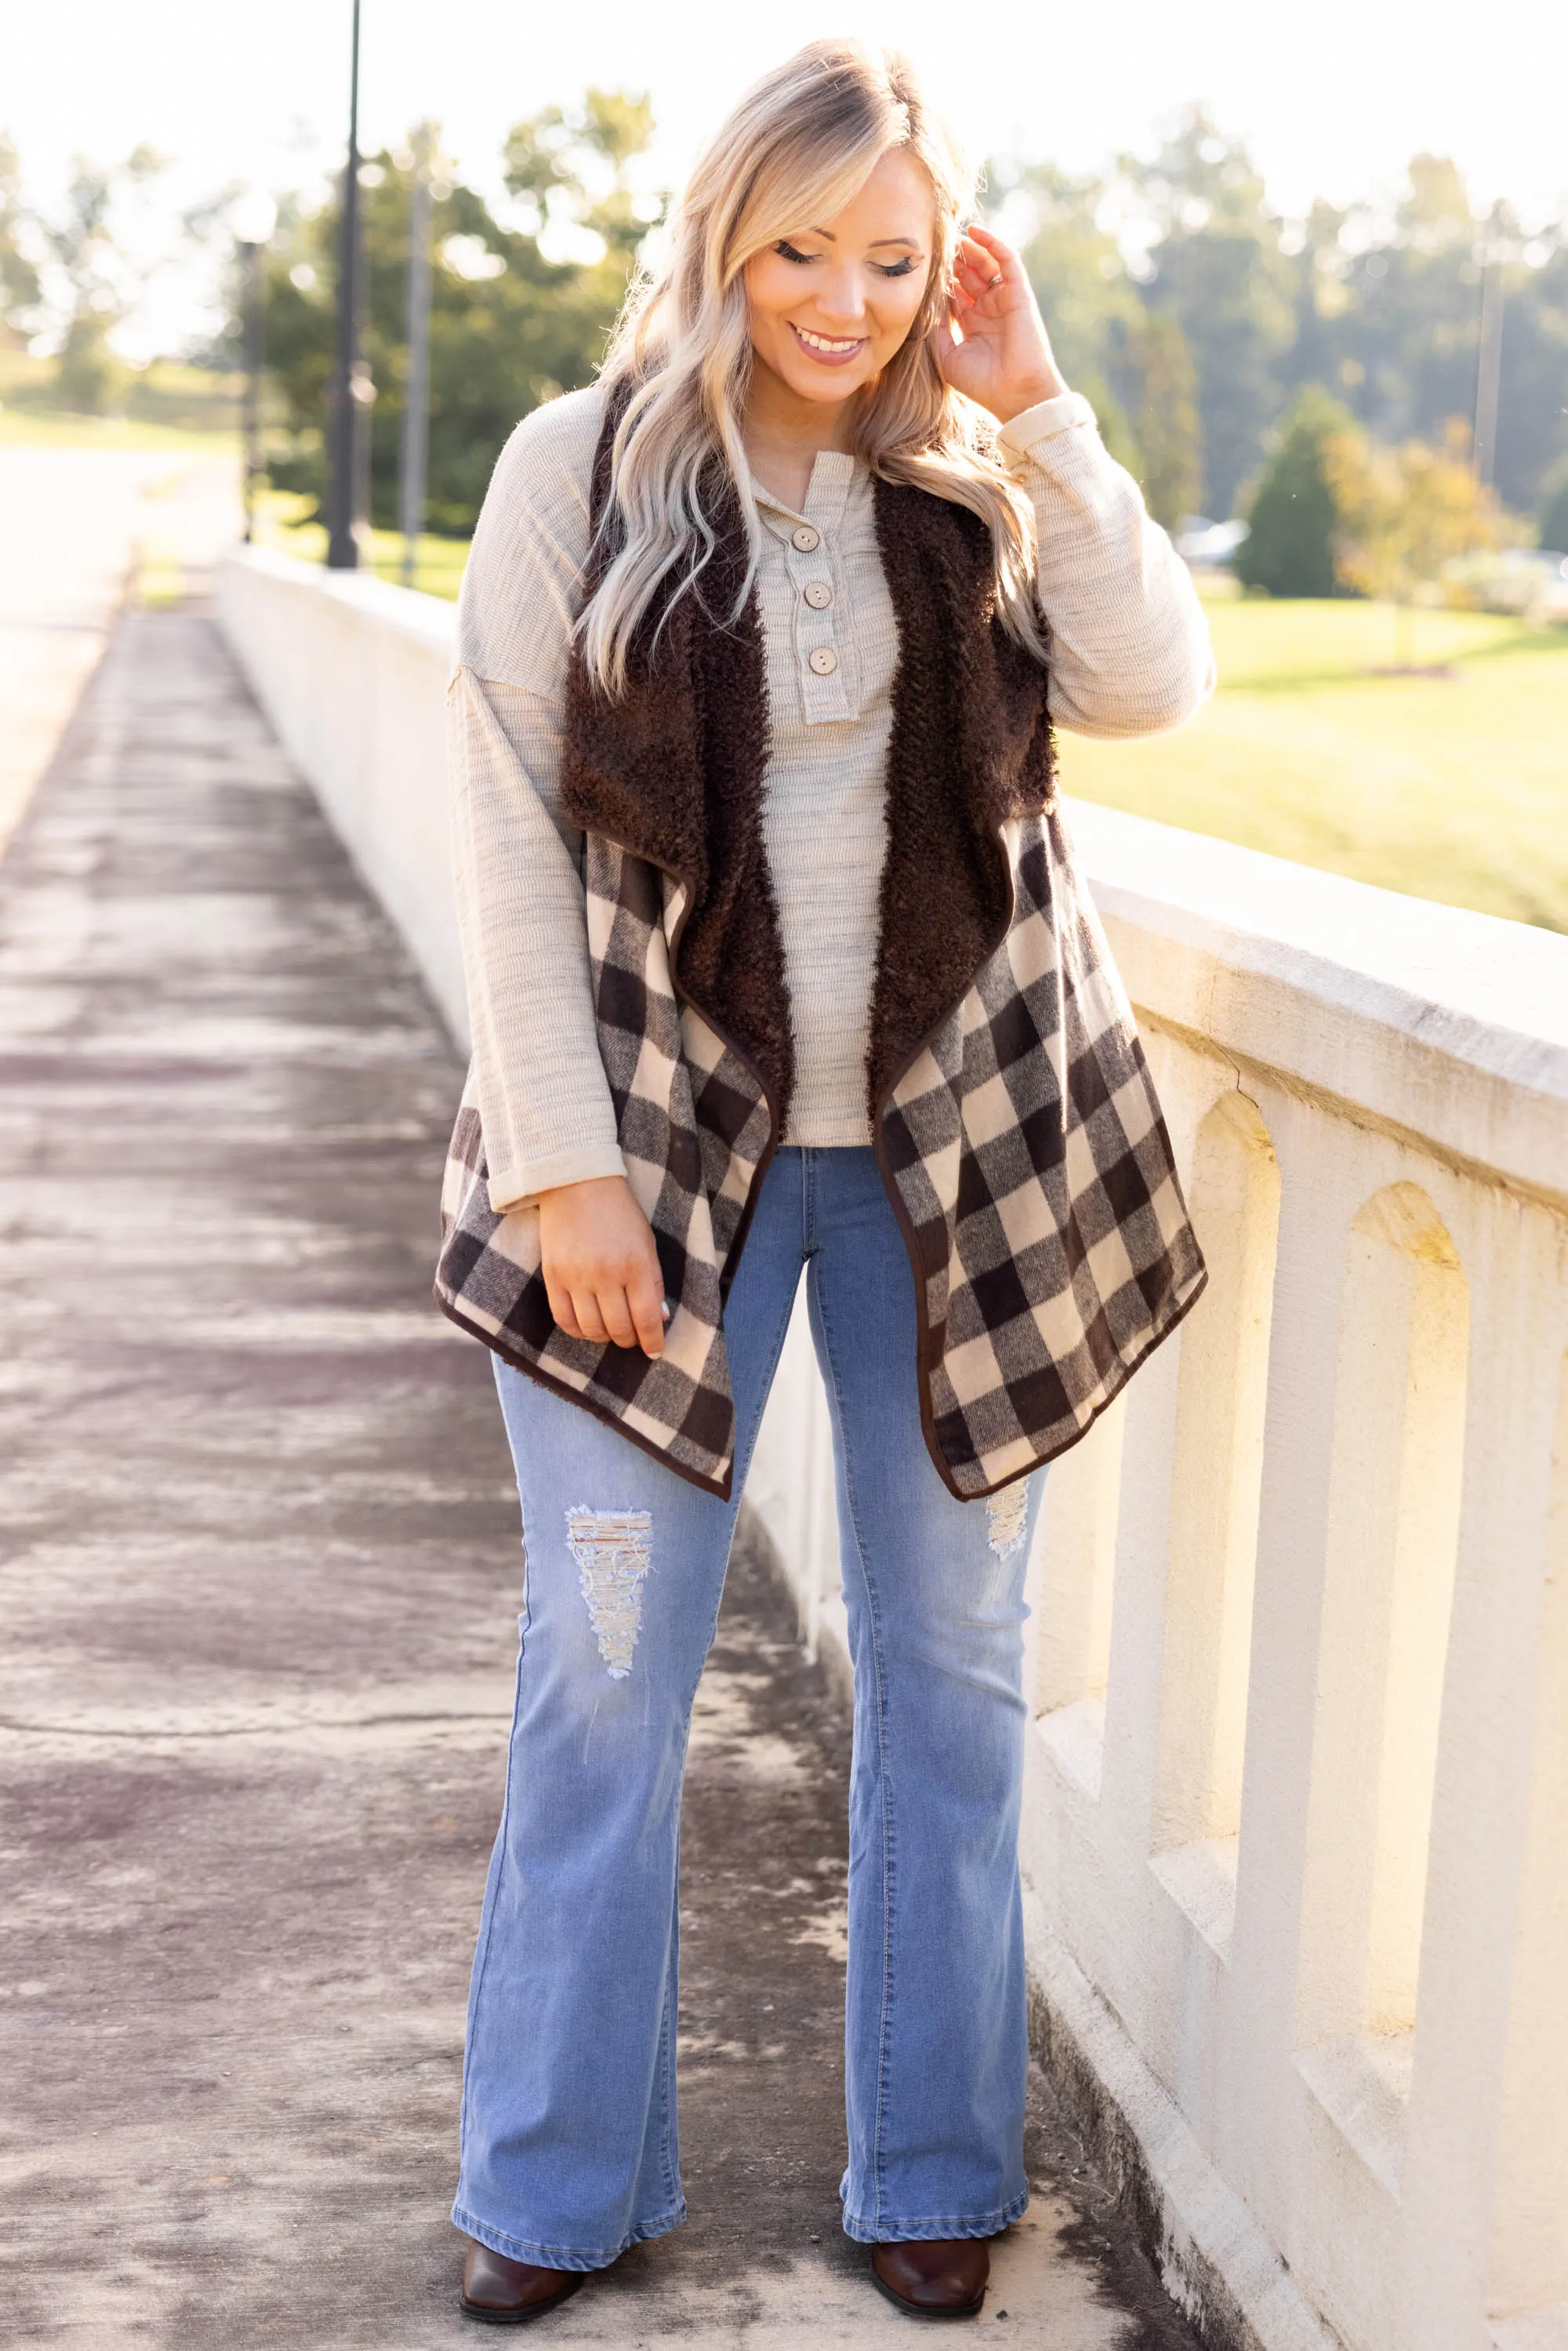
point(1004, 360)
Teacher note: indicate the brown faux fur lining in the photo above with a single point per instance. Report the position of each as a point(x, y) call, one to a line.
point(674, 772)
point(971, 746)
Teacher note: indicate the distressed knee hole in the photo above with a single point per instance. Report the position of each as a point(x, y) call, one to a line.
point(611, 1551)
point(1006, 1514)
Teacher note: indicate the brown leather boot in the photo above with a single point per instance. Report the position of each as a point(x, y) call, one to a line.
point(933, 2277)
point(508, 2293)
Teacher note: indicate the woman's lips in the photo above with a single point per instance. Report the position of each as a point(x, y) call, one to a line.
point(828, 359)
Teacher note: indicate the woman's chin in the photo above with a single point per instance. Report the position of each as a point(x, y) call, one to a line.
point(826, 386)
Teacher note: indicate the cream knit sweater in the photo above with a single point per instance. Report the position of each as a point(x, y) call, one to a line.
point(1130, 655)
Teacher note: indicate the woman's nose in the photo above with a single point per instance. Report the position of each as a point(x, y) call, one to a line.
point(840, 298)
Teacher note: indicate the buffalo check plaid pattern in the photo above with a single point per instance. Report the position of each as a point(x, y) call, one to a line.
point(693, 1128)
point(1024, 1153)
point(1033, 1177)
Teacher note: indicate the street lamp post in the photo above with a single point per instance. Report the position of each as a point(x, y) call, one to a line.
point(255, 217)
point(254, 330)
point(348, 393)
point(1489, 363)
point(416, 408)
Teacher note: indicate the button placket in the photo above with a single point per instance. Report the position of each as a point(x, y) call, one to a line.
point(816, 636)
point(822, 679)
point(824, 661)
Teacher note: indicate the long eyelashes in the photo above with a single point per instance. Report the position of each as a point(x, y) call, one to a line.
point(786, 252)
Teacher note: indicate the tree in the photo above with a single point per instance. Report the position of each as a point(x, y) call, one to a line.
point(1404, 513)
point(1169, 437)
point(1554, 528)
point(574, 165)
point(1216, 267)
point(510, 327)
point(100, 281)
point(1080, 281)
point(1136, 370)
point(19, 287)
point(1388, 314)
point(1289, 547)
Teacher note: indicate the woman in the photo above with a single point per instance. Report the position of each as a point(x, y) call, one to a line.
point(776, 960)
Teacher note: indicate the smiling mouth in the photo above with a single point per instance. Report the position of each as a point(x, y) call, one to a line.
point(832, 350)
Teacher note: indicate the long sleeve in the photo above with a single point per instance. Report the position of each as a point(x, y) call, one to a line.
point(1129, 643)
point(544, 1101)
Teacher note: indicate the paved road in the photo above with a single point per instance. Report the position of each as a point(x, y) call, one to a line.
point(73, 523)
point(257, 1612)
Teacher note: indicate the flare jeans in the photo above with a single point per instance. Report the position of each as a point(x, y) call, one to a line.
point(569, 2149)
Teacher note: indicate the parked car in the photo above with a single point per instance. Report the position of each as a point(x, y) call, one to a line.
point(1532, 582)
point(1208, 546)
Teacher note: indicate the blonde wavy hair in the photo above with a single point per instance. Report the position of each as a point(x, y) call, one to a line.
point(799, 147)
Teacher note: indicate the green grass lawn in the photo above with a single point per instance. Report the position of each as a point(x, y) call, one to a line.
point(1453, 788)
point(438, 564)
point(56, 429)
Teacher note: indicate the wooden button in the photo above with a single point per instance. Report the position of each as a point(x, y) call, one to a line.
point(818, 595)
point(805, 538)
point(824, 661)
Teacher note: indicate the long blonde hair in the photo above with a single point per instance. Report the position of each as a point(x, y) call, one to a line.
point(798, 146)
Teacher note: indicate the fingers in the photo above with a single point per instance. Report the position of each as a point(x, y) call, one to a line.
point(1000, 251)
point(602, 1314)
point(980, 286)
point(983, 265)
point(645, 1304)
point(615, 1316)
point(600, 1267)
point(588, 1313)
point(562, 1311)
point(606, 1312)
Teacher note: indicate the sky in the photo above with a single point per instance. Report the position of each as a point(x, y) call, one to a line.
point(1332, 98)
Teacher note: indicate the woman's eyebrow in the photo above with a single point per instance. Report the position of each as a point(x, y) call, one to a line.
point(910, 243)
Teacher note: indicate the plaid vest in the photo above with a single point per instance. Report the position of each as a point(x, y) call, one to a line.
point(1014, 1120)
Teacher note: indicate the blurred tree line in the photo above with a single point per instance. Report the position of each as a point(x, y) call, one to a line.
point(509, 327)
point(1196, 318)
point(79, 254)
point(1224, 346)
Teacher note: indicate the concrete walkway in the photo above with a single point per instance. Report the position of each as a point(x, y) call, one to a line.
point(73, 524)
point(261, 1573)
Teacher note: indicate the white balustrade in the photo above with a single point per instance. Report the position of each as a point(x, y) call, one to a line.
point(352, 671)
point(1296, 1830)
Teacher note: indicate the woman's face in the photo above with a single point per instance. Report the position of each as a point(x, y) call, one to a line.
point(831, 303)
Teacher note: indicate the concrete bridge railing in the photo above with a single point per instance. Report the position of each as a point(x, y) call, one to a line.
point(1296, 1834)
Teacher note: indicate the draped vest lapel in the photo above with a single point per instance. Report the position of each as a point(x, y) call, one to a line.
point(1015, 1123)
point(673, 771)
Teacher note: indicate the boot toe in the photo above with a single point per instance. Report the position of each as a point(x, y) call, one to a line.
point(939, 2277)
point(504, 2293)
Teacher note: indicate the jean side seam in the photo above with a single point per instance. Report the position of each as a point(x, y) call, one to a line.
point(667, 2057)
point(482, 1957)
point(889, 1865)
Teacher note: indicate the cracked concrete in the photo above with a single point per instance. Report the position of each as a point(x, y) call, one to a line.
point(261, 1575)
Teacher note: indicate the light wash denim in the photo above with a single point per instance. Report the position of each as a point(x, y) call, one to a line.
point(569, 2107)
